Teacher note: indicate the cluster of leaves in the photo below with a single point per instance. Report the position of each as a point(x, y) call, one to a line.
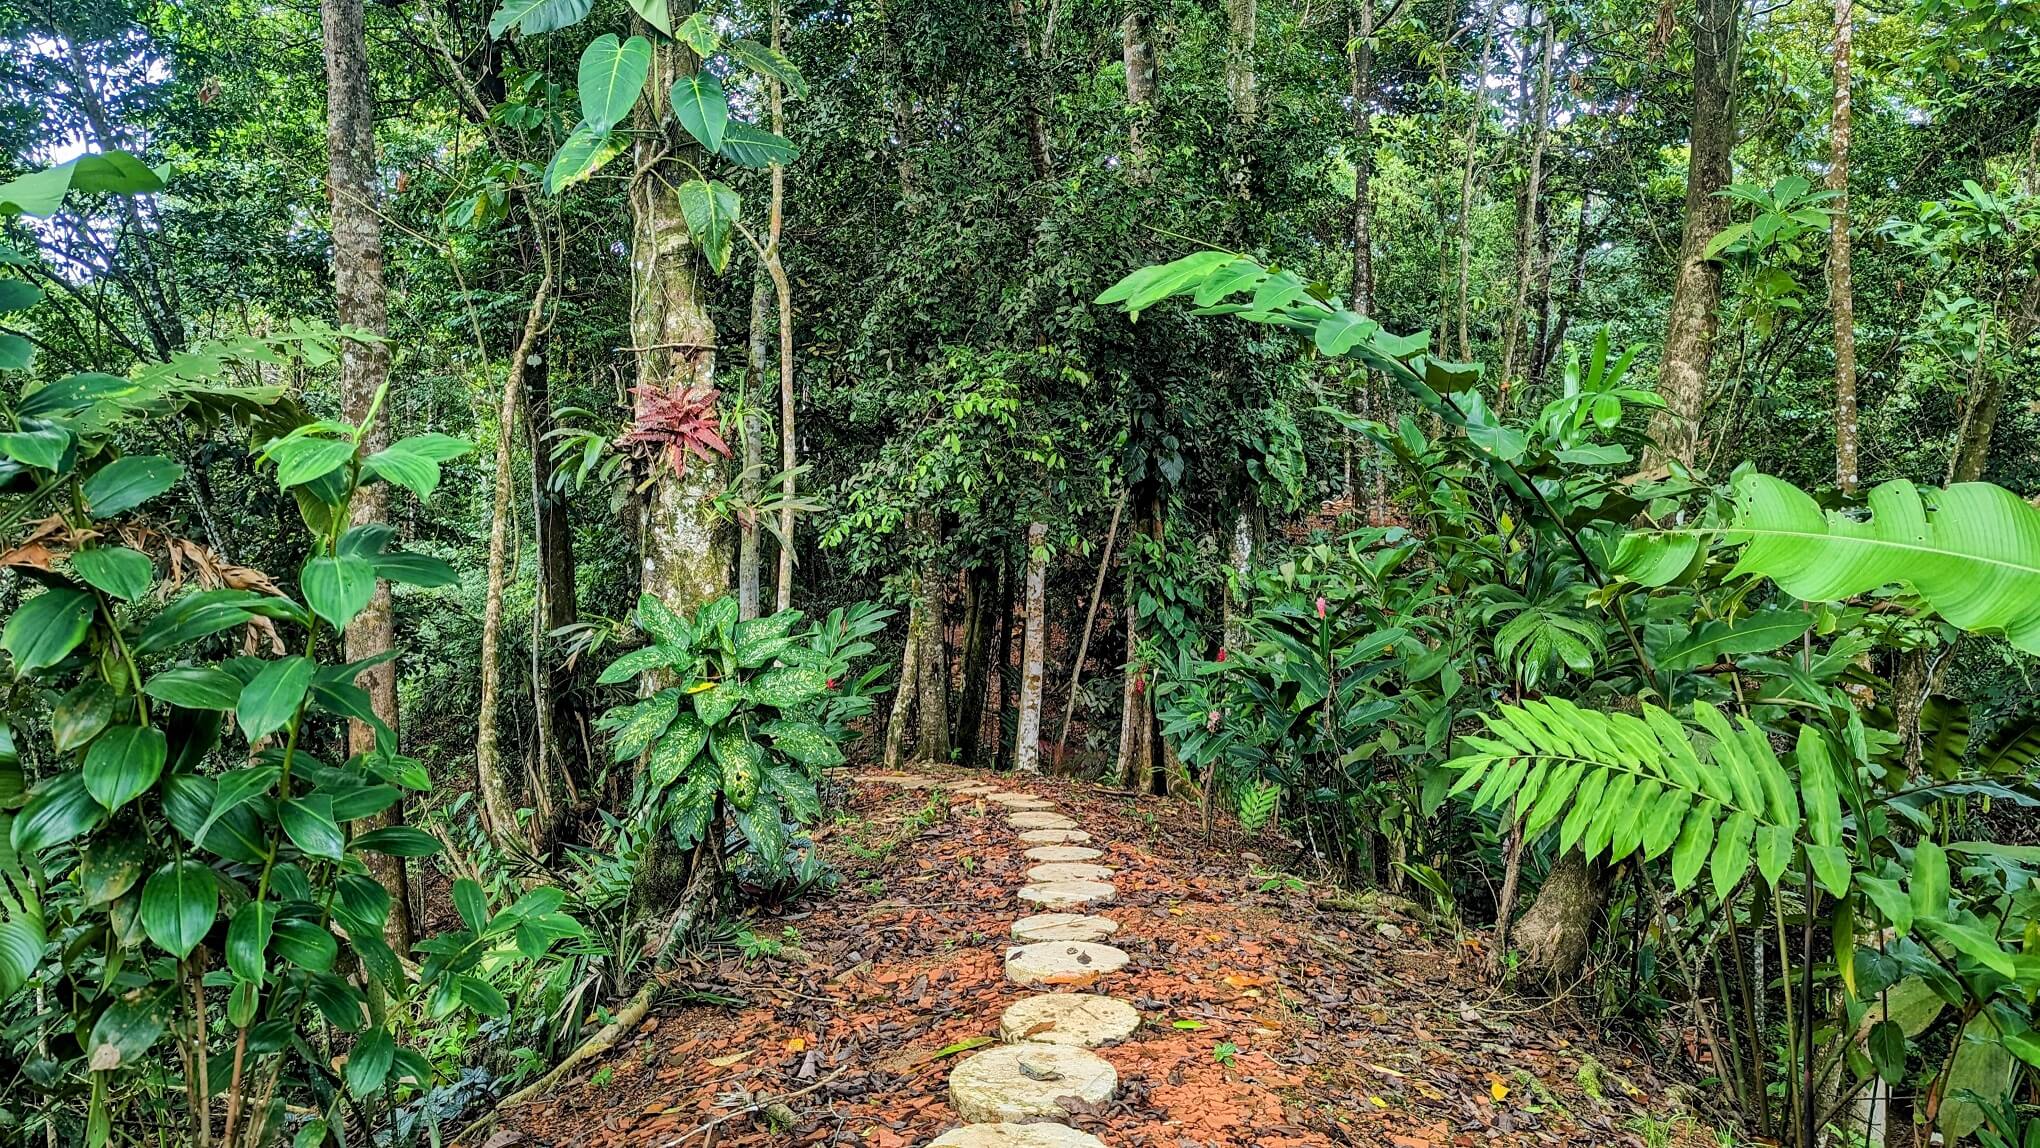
point(611, 81)
point(735, 724)
point(148, 896)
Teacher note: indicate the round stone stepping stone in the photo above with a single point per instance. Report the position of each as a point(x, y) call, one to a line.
point(1068, 871)
point(1082, 1020)
point(1017, 1081)
point(1062, 962)
point(1065, 894)
point(1063, 927)
point(1021, 801)
point(1016, 1136)
point(1039, 819)
point(1063, 853)
point(973, 790)
point(1055, 837)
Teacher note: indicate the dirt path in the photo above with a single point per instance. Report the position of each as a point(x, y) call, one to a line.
point(1263, 1019)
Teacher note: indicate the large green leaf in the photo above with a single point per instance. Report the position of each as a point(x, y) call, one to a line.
point(58, 810)
point(584, 151)
point(308, 821)
point(127, 1030)
point(21, 946)
point(368, 1063)
point(532, 17)
point(84, 714)
point(612, 76)
point(804, 742)
point(111, 864)
point(1971, 550)
point(46, 628)
point(703, 108)
point(1982, 1068)
point(338, 588)
point(743, 764)
point(128, 482)
point(178, 905)
point(115, 570)
point(710, 208)
point(123, 763)
point(195, 688)
point(755, 147)
point(270, 700)
point(769, 62)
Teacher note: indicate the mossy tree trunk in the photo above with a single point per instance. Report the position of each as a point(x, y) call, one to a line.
point(1033, 653)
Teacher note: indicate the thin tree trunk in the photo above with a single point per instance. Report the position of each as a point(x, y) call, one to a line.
point(499, 812)
point(979, 585)
point(1136, 765)
point(1529, 226)
point(899, 725)
point(788, 452)
point(1575, 287)
point(360, 300)
point(750, 529)
point(1033, 653)
point(933, 704)
point(1473, 125)
point(1696, 293)
point(1031, 94)
point(1360, 69)
point(1841, 296)
point(1242, 19)
point(1002, 665)
point(553, 542)
point(1090, 623)
point(1140, 80)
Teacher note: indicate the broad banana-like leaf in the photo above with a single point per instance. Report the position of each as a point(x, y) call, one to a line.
point(1971, 550)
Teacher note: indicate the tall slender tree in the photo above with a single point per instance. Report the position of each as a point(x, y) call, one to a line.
point(1841, 292)
point(360, 300)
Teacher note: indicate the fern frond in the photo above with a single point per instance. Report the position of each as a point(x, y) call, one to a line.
point(1257, 805)
point(1614, 784)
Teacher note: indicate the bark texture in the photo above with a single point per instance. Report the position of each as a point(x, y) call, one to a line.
point(1557, 930)
point(751, 478)
point(360, 300)
point(1140, 79)
point(1841, 293)
point(1696, 293)
point(932, 742)
point(1528, 221)
point(1033, 653)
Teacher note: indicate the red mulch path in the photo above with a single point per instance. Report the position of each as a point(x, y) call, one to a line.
point(1346, 1028)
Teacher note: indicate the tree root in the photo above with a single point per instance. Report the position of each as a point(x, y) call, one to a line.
point(626, 1019)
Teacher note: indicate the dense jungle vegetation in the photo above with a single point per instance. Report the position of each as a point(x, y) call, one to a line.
point(472, 474)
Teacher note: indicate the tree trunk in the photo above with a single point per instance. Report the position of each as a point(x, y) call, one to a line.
point(899, 726)
point(1528, 225)
point(1136, 764)
point(1033, 653)
point(687, 551)
point(1841, 296)
point(1575, 287)
point(360, 300)
point(1557, 930)
point(750, 528)
point(933, 704)
point(1002, 663)
point(788, 452)
point(1473, 125)
point(1062, 737)
point(979, 585)
point(1696, 293)
point(1140, 80)
point(499, 812)
point(1032, 97)
point(1979, 419)
point(553, 545)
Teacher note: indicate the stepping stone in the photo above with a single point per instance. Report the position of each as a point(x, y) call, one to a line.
point(1055, 837)
point(1039, 819)
point(1068, 871)
point(1017, 1081)
point(1063, 927)
point(1065, 894)
point(1062, 962)
point(973, 790)
point(1078, 1019)
point(1016, 1136)
point(967, 783)
point(1021, 801)
point(1063, 853)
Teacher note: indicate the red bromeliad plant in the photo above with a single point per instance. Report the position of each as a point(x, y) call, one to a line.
point(676, 423)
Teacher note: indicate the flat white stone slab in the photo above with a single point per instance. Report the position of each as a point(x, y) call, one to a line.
point(1069, 871)
point(1055, 837)
point(1062, 962)
point(1065, 894)
point(1016, 1136)
point(1082, 1020)
point(1039, 819)
point(1018, 1081)
point(1021, 801)
point(1063, 853)
point(1063, 927)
